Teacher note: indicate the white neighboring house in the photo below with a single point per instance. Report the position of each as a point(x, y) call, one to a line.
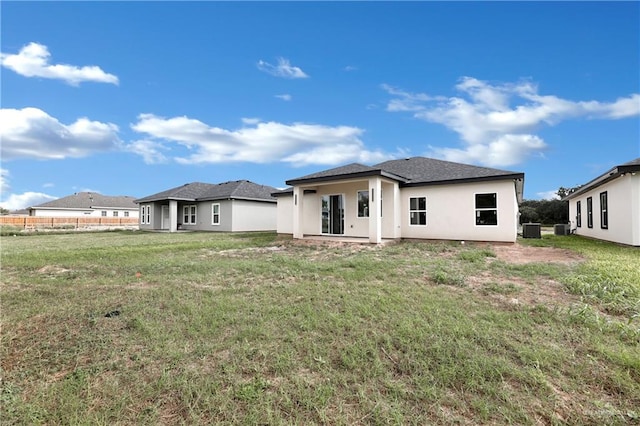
point(87, 204)
point(235, 206)
point(417, 197)
point(608, 207)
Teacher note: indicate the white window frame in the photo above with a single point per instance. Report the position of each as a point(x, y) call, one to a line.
point(364, 214)
point(477, 209)
point(418, 210)
point(145, 214)
point(214, 214)
point(190, 215)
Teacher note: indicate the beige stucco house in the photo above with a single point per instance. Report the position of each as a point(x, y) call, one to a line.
point(235, 206)
point(608, 207)
point(410, 198)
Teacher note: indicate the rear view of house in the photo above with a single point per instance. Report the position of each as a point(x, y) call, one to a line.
point(608, 207)
point(225, 207)
point(411, 198)
point(87, 204)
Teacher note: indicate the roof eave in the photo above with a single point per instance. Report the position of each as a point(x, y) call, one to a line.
point(466, 180)
point(264, 200)
point(606, 177)
point(154, 199)
point(346, 176)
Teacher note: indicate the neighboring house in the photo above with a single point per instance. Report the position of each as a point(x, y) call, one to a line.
point(608, 207)
point(411, 198)
point(230, 206)
point(87, 204)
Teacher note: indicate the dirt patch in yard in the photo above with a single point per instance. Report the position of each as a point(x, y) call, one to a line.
point(532, 291)
point(520, 254)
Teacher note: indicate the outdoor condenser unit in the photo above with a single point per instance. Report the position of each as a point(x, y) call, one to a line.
point(531, 230)
point(562, 229)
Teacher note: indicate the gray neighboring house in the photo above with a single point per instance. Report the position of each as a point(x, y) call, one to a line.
point(235, 206)
point(608, 207)
point(87, 204)
point(417, 197)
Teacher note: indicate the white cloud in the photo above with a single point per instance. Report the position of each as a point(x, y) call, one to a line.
point(150, 151)
point(283, 69)
point(251, 120)
point(506, 150)
point(4, 181)
point(27, 199)
point(284, 97)
point(33, 61)
point(497, 122)
point(32, 133)
point(260, 142)
point(548, 195)
point(349, 68)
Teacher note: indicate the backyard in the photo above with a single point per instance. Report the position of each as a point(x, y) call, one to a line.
point(131, 327)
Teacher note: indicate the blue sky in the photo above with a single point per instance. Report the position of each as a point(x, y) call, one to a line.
point(132, 98)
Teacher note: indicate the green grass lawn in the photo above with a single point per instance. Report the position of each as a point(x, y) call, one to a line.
point(252, 329)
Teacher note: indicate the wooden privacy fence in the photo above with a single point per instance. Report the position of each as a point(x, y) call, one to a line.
point(37, 222)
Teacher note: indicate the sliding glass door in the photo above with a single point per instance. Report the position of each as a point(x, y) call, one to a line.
point(333, 214)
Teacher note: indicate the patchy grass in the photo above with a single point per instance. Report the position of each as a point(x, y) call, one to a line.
point(251, 329)
point(610, 278)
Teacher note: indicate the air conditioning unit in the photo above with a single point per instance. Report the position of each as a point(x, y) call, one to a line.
point(531, 230)
point(562, 229)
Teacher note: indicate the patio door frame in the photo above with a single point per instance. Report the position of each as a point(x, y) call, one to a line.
point(332, 214)
point(165, 216)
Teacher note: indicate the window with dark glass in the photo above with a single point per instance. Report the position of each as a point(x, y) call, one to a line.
point(363, 203)
point(418, 210)
point(604, 211)
point(487, 209)
point(189, 215)
point(589, 212)
point(579, 214)
point(215, 214)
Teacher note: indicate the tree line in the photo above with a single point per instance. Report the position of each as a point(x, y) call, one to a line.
point(547, 212)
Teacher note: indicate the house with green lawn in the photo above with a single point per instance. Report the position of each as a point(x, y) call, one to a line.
point(418, 197)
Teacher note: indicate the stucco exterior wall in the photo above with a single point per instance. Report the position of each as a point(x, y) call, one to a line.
point(284, 221)
point(154, 213)
point(623, 199)
point(235, 215)
point(253, 216)
point(354, 226)
point(451, 212)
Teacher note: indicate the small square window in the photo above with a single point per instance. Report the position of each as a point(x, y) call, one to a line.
point(487, 209)
point(418, 210)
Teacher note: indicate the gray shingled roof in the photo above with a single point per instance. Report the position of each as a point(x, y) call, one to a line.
point(88, 200)
point(420, 170)
point(628, 167)
point(198, 191)
point(411, 171)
